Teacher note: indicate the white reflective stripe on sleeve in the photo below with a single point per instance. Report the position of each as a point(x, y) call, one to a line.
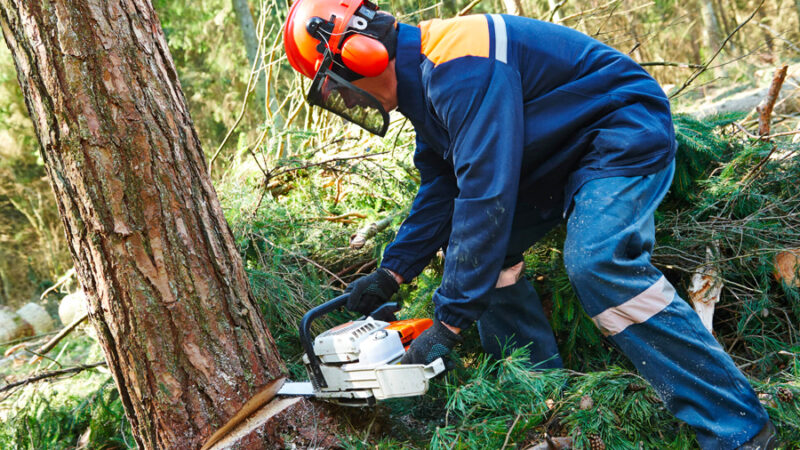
point(636, 310)
point(500, 39)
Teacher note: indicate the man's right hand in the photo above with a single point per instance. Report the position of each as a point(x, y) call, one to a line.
point(371, 291)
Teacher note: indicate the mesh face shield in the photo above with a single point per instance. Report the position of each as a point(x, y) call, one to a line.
point(332, 92)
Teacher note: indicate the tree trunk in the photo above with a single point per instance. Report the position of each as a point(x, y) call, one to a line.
point(514, 7)
point(797, 10)
point(250, 37)
point(711, 31)
point(167, 291)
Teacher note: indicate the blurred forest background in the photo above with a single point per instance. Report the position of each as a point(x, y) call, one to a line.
point(296, 183)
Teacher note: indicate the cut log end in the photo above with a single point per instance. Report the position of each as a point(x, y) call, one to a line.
point(285, 422)
point(787, 265)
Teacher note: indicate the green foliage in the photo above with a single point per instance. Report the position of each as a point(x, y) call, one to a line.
point(86, 408)
point(285, 238)
point(781, 398)
point(284, 243)
point(206, 45)
point(623, 410)
point(58, 412)
point(579, 340)
point(496, 400)
point(699, 147)
point(501, 402)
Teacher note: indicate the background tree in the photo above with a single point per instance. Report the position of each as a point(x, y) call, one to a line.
point(169, 297)
point(712, 35)
point(251, 39)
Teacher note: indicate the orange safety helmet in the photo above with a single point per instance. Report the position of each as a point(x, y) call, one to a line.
point(336, 26)
point(328, 41)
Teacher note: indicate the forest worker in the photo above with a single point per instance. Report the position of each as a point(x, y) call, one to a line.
point(521, 124)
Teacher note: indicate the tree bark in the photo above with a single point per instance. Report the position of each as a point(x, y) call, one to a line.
point(167, 291)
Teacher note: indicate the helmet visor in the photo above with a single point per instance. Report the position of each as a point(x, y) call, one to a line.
point(337, 95)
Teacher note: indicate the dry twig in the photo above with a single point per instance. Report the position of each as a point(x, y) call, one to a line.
point(671, 64)
point(274, 172)
point(54, 373)
point(765, 107)
point(468, 8)
point(27, 338)
point(706, 65)
point(588, 11)
point(63, 279)
point(508, 435)
point(766, 138)
point(57, 338)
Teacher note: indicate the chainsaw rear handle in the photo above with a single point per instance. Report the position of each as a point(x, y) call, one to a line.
point(384, 312)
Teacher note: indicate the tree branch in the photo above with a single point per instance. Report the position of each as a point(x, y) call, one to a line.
point(468, 8)
point(54, 373)
point(273, 173)
point(671, 64)
point(57, 338)
point(699, 71)
point(765, 107)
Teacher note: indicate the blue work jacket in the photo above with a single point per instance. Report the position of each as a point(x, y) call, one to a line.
point(512, 116)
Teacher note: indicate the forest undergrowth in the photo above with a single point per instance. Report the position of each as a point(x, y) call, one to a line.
point(730, 194)
point(295, 185)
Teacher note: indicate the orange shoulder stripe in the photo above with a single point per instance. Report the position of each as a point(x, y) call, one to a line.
point(445, 40)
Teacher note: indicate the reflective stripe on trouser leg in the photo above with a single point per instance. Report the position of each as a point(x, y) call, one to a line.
point(610, 237)
point(514, 319)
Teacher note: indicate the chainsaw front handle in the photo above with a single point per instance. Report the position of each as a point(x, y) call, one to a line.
point(384, 311)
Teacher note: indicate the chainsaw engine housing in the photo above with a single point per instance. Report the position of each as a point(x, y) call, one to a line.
point(359, 363)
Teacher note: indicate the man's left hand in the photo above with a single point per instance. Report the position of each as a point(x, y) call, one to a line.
point(435, 342)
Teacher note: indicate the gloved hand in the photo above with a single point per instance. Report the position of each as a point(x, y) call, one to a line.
point(370, 292)
point(435, 342)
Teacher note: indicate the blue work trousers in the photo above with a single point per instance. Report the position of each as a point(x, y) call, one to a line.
point(610, 238)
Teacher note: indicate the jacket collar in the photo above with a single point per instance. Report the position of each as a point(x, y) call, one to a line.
point(410, 97)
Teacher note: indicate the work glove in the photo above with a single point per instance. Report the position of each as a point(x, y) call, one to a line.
point(370, 292)
point(435, 342)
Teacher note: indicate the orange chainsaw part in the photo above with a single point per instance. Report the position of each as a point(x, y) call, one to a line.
point(410, 329)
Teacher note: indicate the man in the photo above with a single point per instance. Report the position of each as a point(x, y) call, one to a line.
point(521, 124)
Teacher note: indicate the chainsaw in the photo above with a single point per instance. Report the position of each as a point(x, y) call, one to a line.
point(357, 363)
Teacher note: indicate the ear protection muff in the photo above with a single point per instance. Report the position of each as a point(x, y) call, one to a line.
point(361, 53)
point(364, 55)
